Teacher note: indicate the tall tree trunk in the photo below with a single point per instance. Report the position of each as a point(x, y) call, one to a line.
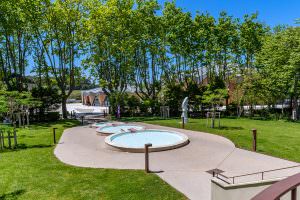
point(64, 108)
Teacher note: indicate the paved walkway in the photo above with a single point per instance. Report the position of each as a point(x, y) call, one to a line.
point(184, 168)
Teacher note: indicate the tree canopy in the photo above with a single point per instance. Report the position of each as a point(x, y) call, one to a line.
point(146, 49)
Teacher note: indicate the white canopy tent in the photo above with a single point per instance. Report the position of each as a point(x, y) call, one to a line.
point(94, 97)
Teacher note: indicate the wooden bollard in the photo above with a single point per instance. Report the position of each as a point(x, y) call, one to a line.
point(182, 124)
point(2, 139)
point(1, 142)
point(82, 117)
point(15, 139)
point(9, 139)
point(254, 142)
point(147, 157)
point(54, 135)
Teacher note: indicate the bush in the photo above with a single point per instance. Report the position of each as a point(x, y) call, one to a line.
point(173, 97)
point(52, 116)
point(46, 117)
point(49, 98)
point(197, 114)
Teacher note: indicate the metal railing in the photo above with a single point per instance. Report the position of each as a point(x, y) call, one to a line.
point(232, 179)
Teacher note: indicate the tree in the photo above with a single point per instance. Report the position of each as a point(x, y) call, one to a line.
point(226, 37)
point(16, 39)
point(215, 98)
point(47, 96)
point(251, 91)
point(14, 102)
point(111, 46)
point(149, 52)
point(281, 70)
point(204, 42)
point(59, 38)
point(173, 97)
point(251, 33)
point(178, 35)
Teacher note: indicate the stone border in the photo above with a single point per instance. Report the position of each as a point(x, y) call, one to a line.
point(185, 141)
point(99, 132)
point(108, 123)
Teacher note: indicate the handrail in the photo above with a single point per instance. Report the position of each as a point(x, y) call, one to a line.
point(261, 172)
point(277, 190)
point(266, 171)
point(217, 175)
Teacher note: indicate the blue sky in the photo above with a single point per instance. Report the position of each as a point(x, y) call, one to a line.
point(272, 12)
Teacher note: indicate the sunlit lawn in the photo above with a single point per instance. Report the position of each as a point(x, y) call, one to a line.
point(33, 172)
point(276, 138)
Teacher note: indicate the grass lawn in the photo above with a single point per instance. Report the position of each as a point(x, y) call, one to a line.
point(276, 138)
point(33, 172)
point(76, 94)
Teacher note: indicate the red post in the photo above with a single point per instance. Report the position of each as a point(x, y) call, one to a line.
point(254, 132)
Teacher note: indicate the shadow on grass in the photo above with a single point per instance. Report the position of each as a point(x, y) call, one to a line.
point(231, 128)
point(65, 124)
point(26, 136)
point(21, 147)
point(37, 146)
point(142, 119)
point(12, 195)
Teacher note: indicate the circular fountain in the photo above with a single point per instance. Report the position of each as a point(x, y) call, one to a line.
point(135, 141)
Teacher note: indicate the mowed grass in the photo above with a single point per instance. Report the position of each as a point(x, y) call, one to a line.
point(276, 138)
point(33, 172)
point(76, 94)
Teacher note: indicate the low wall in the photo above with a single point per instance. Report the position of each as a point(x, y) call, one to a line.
point(243, 191)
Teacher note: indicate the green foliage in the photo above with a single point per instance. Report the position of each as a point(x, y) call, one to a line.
point(48, 96)
point(141, 47)
point(76, 94)
point(194, 92)
point(279, 65)
point(16, 40)
point(14, 101)
point(112, 43)
point(59, 36)
point(49, 99)
point(173, 98)
point(45, 117)
point(215, 97)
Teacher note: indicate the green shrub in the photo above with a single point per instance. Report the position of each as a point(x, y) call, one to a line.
point(52, 116)
point(45, 117)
